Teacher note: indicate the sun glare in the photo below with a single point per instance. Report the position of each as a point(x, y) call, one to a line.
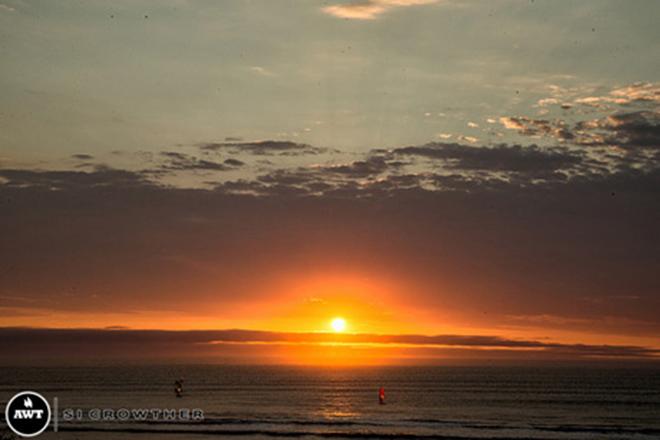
point(338, 324)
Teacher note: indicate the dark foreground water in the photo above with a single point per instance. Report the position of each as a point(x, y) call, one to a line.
point(422, 402)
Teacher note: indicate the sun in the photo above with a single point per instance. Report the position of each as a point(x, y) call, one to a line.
point(338, 324)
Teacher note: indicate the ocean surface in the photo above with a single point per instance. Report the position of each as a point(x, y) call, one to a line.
point(314, 402)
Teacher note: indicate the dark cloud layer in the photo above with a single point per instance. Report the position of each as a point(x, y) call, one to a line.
point(323, 179)
point(636, 130)
point(62, 180)
point(371, 166)
point(118, 343)
point(115, 240)
point(633, 130)
point(267, 147)
point(82, 156)
point(544, 235)
point(183, 162)
point(514, 158)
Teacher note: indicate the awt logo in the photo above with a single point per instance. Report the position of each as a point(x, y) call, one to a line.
point(28, 414)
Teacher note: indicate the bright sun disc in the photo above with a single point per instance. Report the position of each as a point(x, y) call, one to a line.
point(338, 324)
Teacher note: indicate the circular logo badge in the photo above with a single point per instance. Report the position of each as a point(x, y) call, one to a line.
point(28, 414)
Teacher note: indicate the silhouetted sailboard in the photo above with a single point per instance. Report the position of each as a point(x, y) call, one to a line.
point(178, 387)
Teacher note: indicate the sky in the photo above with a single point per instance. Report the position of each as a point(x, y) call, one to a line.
point(454, 178)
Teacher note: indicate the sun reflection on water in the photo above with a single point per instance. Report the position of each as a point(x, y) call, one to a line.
point(337, 406)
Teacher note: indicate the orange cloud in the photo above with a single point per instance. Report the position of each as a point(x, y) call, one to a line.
point(370, 9)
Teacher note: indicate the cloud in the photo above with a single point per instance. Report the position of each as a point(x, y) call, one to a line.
point(326, 179)
point(116, 342)
point(370, 9)
point(637, 93)
point(484, 222)
point(261, 71)
point(234, 162)
point(525, 126)
point(514, 158)
point(183, 162)
point(267, 147)
point(81, 156)
point(627, 118)
point(470, 139)
point(634, 130)
point(547, 101)
point(73, 180)
point(436, 166)
point(481, 235)
point(6, 8)
point(283, 177)
point(371, 166)
point(628, 130)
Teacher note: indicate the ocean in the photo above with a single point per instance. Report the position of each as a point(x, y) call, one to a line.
point(319, 402)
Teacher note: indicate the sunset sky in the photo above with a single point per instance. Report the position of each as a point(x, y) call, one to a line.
point(452, 178)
